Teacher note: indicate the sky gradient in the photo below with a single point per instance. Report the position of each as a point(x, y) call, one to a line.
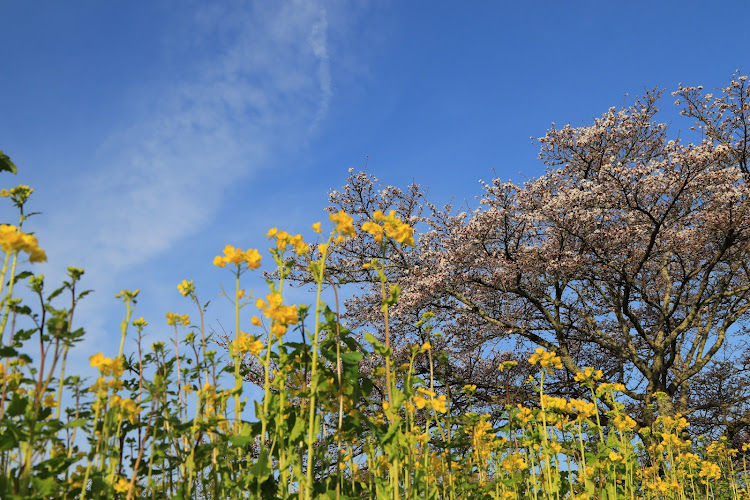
point(154, 133)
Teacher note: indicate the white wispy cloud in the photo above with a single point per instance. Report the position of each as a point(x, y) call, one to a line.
point(260, 82)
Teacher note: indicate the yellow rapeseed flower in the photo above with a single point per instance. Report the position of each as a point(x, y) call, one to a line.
point(300, 247)
point(251, 258)
point(588, 374)
point(278, 330)
point(177, 319)
point(97, 360)
point(122, 485)
point(13, 240)
point(392, 227)
point(140, 322)
point(107, 366)
point(344, 223)
point(439, 404)
point(246, 343)
point(316, 227)
point(186, 287)
point(547, 360)
point(419, 401)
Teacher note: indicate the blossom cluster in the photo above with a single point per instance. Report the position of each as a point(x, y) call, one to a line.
point(246, 343)
point(186, 287)
point(237, 257)
point(283, 239)
point(281, 315)
point(392, 227)
point(546, 359)
point(107, 366)
point(13, 240)
point(425, 397)
point(177, 319)
point(344, 224)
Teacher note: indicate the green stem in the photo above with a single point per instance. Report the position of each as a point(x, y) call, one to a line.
point(314, 378)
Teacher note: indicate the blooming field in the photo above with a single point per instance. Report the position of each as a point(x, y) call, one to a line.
point(170, 420)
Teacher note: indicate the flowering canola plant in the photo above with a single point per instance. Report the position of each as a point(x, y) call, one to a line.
point(338, 416)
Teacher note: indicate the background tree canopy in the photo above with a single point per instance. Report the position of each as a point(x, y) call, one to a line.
point(630, 255)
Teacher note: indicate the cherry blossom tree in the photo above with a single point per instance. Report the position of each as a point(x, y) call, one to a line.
point(629, 254)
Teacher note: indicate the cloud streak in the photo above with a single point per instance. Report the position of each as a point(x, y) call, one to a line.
point(260, 82)
point(163, 177)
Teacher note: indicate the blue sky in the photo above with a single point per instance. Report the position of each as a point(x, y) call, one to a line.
point(154, 133)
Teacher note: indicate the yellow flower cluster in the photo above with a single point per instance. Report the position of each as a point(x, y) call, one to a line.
point(247, 343)
point(609, 389)
point(140, 322)
point(514, 462)
point(186, 287)
point(344, 224)
point(102, 386)
point(177, 319)
point(281, 315)
point(236, 256)
point(107, 366)
point(19, 194)
point(392, 227)
point(49, 401)
point(524, 414)
point(623, 423)
point(122, 485)
point(128, 409)
point(662, 486)
point(710, 471)
point(547, 360)
point(427, 396)
point(283, 239)
point(215, 405)
point(482, 437)
point(589, 375)
point(13, 240)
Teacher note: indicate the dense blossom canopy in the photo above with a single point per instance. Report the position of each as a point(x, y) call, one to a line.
point(629, 255)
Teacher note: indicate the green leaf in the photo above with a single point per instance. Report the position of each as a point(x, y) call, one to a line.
point(6, 165)
point(80, 422)
point(44, 487)
point(393, 297)
point(297, 430)
point(241, 440)
point(55, 294)
point(351, 358)
point(379, 348)
point(17, 406)
point(22, 275)
point(8, 440)
point(261, 468)
point(7, 352)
